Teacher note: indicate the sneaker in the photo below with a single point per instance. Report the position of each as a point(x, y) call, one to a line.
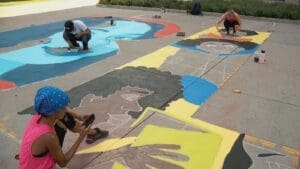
point(17, 157)
point(90, 139)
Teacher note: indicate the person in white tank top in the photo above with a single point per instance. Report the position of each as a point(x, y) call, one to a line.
point(75, 31)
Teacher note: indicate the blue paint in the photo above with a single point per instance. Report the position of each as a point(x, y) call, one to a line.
point(7, 65)
point(197, 90)
point(34, 32)
point(38, 62)
point(14, 37)
point(31, 73)
point(242, 52)
point(101, 43)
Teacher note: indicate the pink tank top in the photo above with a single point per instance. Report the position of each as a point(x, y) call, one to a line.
point(32, 132)
point(231, 16)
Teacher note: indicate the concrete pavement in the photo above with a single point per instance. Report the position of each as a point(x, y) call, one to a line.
point(266, 110)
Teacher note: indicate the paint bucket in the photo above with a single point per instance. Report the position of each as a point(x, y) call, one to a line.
point(262, 56)
point(111, 22)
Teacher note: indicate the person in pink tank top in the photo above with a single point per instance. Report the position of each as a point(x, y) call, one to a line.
point(40, 147)
point(231, 20)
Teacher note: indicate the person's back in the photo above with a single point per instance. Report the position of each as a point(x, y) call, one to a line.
point(33, 132)
point(232, 16)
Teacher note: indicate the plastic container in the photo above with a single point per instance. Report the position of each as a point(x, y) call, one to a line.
point(262, 57)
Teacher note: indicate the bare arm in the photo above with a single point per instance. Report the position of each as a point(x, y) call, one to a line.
point(220, 20)
point(78, 115)
point(55, 150)
point(239, 21)
point(85, 32)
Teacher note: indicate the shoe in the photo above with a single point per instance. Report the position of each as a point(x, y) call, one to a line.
point(90, 139)
point(17, 157)
point(76, 44)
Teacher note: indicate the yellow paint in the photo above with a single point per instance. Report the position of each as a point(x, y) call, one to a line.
point(154, 59)
point(228, 136)
point(195, 145)
point(295, 162)
point(182, 107)
point(291, 151)
point(6, 118)
point(2, 127)
point(12, 134)
point(118, 165)
point(204, 32)
point(108, 145)
point(267, 143)
point(259, 38)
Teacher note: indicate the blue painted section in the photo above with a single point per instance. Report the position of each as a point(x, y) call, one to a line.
point(197, 90)
point(32, 73)
point(190, 48)
point(40, 62)
point(7, 65)
point(101, 43)
point(243, 52)
point(34, 32)
point(14, 37)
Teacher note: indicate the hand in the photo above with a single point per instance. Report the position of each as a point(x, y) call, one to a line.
point(84, 131)
point(78, 35)
point(61, 125)
point(141, 157)
point(83, 117)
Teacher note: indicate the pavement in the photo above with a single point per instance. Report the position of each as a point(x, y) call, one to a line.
point(168, 104)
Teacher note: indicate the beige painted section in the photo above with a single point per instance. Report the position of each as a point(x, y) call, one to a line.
point(42, 7)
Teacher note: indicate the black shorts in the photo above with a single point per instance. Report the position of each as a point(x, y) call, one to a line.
point(69, 122)
point(230, 24)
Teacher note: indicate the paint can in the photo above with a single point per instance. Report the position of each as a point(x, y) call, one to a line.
point(256, 55)
point(111, 22)
point(262, 56)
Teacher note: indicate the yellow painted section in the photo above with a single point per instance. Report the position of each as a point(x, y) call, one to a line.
point(108, 145)
point(228, 136)
point(204, 32)
point(6, 118)
point(182, 107)
point(118, 165)
point(201, 148)
point(259, 39)
point(155, 59)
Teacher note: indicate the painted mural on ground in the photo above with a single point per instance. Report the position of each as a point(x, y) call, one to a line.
point(211, 42)
point(50, 58)
point(149, 115)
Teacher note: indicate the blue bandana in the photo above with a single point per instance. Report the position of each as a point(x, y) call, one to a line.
point(49, 100)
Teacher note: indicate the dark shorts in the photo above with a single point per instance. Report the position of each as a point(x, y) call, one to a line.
point(230, 24)
point(69, 122)
point(71, 37)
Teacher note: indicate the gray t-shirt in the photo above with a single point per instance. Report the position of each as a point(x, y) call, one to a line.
point(79, 26)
